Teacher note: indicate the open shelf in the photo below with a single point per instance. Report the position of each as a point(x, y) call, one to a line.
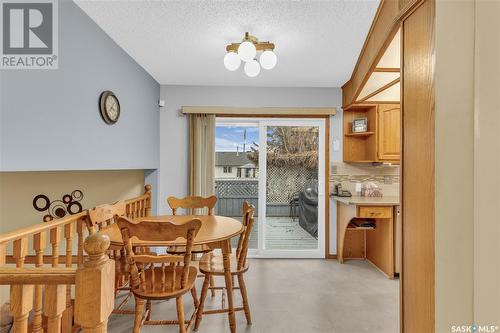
point(352, 227)
point(359, 228)
point(362, 146)
point(360, 134)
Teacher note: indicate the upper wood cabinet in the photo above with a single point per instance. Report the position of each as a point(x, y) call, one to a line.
point(381, 142)
point(389, 132)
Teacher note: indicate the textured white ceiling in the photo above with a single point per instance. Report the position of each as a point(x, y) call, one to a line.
point(183, 42)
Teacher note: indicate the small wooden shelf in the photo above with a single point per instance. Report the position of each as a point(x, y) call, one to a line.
point(353, 227)
point(359, 228)
point(360, 134)
point(361, 161)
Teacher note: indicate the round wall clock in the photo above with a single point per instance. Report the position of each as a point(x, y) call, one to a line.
point(110, 107)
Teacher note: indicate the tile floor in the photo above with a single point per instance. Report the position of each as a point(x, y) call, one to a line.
point(298, 296)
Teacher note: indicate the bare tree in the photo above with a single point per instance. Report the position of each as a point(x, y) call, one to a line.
point(291, 145)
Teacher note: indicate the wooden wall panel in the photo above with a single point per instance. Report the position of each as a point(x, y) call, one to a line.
point(418, 307)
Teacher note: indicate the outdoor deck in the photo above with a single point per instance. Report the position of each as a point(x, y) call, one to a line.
point(284, 234)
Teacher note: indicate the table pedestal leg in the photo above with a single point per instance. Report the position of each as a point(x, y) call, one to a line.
point(226, 252)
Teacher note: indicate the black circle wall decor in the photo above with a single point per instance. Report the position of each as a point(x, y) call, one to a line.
point(74, 207)
point(41, 198)
point(69, 204)
point(67, 198)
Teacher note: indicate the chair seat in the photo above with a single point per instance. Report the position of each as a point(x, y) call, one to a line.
point(211, 263)
point(164, 291)
point(195, 249)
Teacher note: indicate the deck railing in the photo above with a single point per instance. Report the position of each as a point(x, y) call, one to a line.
point(24, 254)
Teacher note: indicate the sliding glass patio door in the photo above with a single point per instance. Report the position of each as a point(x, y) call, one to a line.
point(291, 188)
point(279, 166)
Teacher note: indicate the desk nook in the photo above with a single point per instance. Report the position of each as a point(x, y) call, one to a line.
point(367, 229)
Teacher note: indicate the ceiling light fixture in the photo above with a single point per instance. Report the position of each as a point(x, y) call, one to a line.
point(247, 51)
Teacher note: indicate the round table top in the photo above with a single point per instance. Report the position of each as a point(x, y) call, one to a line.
point(213, 229)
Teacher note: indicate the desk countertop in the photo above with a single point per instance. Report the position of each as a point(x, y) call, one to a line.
point(368, 201)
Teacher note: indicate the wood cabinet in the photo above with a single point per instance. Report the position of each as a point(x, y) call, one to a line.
point(381, 142)
point(389, 132)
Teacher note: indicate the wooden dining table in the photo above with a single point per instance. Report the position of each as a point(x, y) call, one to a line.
point(215, 232)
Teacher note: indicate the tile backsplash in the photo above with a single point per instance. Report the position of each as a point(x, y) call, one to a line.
point(386, 177)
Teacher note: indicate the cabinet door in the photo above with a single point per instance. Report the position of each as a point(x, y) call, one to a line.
point(389, 132)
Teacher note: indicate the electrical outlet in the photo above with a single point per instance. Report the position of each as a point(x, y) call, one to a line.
point(333, 169)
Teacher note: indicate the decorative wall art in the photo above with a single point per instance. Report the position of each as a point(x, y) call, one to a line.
point(69, 204)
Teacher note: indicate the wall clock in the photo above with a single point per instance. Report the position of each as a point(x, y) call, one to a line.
point(110, 107)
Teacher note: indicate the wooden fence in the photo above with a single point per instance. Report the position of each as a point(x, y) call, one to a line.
point(232, 192)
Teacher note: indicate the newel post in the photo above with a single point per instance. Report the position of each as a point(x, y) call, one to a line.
point(147, 187)
point(95, 286)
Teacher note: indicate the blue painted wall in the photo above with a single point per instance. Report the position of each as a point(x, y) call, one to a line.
point(50, 118)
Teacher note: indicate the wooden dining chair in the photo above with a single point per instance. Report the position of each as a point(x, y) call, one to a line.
point(213, 265)
point(193, 203)
point(103, 216)
point(160, 277)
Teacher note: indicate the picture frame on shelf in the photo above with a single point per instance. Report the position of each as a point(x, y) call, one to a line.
point(360, 125)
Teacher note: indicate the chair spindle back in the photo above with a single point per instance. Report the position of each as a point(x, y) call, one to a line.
point(154, 231)
point(105, 215)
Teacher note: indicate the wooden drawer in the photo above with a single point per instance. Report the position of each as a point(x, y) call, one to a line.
point(375, 212)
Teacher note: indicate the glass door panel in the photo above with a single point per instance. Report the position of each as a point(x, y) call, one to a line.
point(236, 171)
point(292, 168)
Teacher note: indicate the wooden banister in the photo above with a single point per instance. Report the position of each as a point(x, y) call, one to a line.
point(42, 276)
point(37, 228)
point(42, 265)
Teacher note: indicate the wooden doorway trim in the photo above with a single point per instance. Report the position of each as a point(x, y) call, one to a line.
point(416, 18)
point(417, 172)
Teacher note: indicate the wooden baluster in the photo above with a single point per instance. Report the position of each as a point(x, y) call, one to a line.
point(54, 306)
point(39, 244)
point(118, 278)
point(21, 303)
point(3, 254)
point(21, 296)
point(55, 238)
point(94, 300)
point(67, 318)
point(79, 231)
point(20, 250)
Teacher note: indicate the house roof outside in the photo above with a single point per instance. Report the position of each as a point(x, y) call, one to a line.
point(230, 158)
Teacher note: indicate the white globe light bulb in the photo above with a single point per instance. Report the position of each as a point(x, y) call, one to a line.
point(232, 61)
point(247, 51)
point(268, 59)
point(252, 68)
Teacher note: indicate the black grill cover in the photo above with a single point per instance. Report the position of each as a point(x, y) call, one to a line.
point(308, 208)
